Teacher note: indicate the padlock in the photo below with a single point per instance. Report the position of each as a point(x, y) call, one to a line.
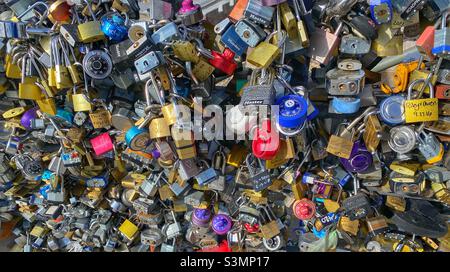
point(258, 13)
point(323, 44)
point(360, 159)
point(266, 52)
point(392, 110)
point(27, 87)
point(441, 39)
point(268, 224)
point(221, 224)
point(381, 11)
point(354, 45)
point(421, 110)
point(189, 13)
point(260, 89)
point(102, 144)
point(259, 175)
point(249, 32)
point(430, 147)
point(90, 31)
point(402, 139)
point(292, 114)
point(342, 82)
point(266, 142)
point(224, 61)
point(233, 41)
point(80, 101)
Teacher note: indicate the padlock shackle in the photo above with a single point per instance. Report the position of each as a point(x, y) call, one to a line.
point(417, 81)
point(32, 7)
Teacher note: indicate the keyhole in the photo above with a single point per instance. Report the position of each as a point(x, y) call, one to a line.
point(145, 63)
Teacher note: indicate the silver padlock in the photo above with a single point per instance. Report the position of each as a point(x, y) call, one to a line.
point(402, 139)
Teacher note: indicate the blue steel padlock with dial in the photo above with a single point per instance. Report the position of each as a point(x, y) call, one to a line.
point(293, 111)
point(113, 26)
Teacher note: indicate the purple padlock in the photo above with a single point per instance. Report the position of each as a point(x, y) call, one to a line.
point(221, 224)
point(187, 6)
point(360, 159)
point(29, 115)
point(201, 217)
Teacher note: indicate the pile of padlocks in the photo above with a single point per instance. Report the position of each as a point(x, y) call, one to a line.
point(98, 151)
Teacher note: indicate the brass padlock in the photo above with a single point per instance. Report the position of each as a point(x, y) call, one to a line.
point(90, 31)
point(28, 88)
point(80, 101)
point(265, 52)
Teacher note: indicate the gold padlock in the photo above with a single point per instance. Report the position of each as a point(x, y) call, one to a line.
point(28, 88)
point(265, 52)
point(158, 128)
point(90, 31)
point(80, 101)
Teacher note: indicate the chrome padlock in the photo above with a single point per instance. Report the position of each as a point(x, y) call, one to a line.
point(430, 147)
point(402, 139)
point(259, 175)
point(166, 33)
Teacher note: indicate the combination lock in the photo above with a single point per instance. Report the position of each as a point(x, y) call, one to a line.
point(97, 64)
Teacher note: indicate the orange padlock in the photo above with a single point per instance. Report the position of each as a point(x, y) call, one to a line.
point(425, 42)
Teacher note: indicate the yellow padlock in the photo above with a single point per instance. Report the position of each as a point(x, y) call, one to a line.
point(80, 101)
point(13, 112)
point(421, 110)
point(265, 53)
point(90, 31)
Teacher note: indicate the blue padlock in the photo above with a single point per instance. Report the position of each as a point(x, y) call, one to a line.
point(381, 11)
point(232, 40)
point(137, 138)
point(113, 26)
point(392, 110)
point(346, 105)
point(293, 111)
point(65, 115)
point(165, 33)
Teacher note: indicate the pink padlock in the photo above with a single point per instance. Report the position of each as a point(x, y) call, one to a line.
point(187, 6)
point(102, 144)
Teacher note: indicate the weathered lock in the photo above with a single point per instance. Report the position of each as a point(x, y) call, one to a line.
point(249, 32)
point(402, 139)
point(260, 176)
point(324, 44)
point(101, 117)
point(219, 165)
point(30, 168)
point(266, 52)
point(421, 110)
point(357, 206)
point(372, 133)
point(340, 146)
point(441, 46)
point(430, 147)
point(288, 20)
point(344, 82)
point(406, 185)
point(354, 45)
point(90, 31)
point(268, 224)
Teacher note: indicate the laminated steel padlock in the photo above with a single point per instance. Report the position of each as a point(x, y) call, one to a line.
point(249, 32)
point(259, 13)
point(442, 39)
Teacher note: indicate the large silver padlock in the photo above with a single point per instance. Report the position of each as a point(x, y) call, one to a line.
point(402, 139)
point(430, 147)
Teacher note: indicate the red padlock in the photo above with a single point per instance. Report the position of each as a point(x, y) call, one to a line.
point(224, 62)
point(251, 228)
point(426, 42)
point(304, 209)
point(442, 91)
point(266, 141)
